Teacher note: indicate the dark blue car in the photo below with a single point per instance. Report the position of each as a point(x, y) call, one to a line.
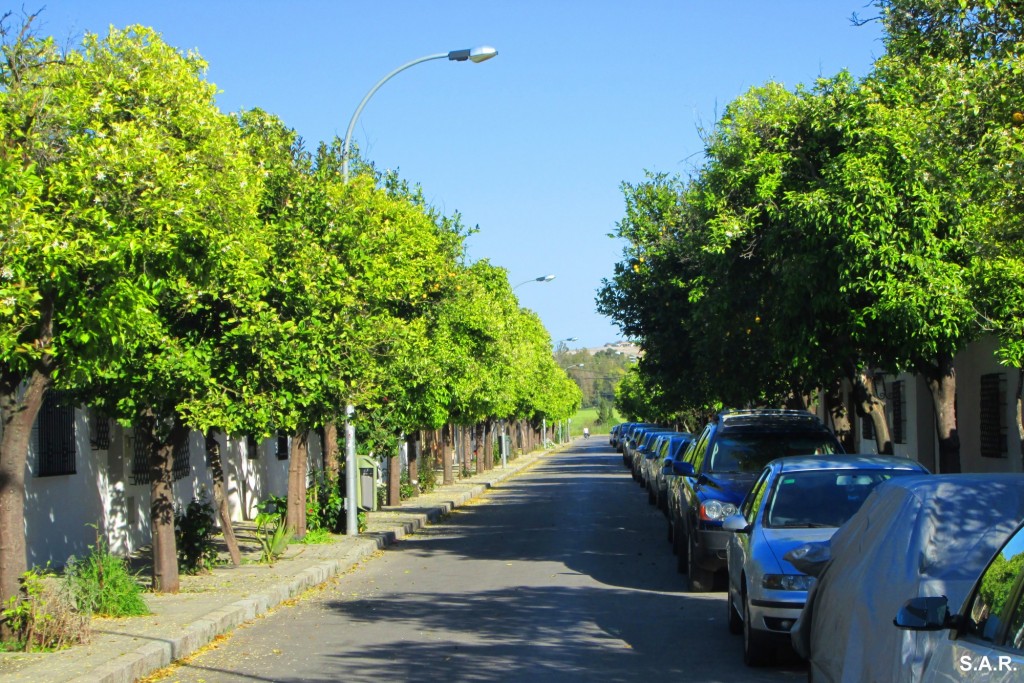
point(718, 470)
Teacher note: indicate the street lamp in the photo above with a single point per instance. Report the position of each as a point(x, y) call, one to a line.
point(475, 55)
point(542, 278)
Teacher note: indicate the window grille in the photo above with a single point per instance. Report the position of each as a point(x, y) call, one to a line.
point(993, 416)
point(898, 401)
point(55, 434)
point(140, 461)
point(282, 446)
point(867, 428)
point(99, 431)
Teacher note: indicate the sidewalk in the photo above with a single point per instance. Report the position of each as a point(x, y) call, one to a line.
point(124, 650)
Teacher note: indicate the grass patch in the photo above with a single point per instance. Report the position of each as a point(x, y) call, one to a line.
point(317, 537)
point(586, 417)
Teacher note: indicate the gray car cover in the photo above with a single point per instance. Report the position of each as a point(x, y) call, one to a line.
point(914, 536)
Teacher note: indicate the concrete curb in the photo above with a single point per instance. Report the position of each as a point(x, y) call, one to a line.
point(155, 655)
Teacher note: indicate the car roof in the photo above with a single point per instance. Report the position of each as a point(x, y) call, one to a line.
point(769, 419)
point(846, 461)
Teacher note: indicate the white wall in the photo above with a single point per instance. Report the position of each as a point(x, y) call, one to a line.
point(59, 509)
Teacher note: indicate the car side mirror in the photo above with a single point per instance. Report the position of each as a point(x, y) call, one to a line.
point(684, 468)
point(925, 614)
point(737, 523)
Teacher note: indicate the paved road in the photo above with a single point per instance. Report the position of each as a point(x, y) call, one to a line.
point(560, 574)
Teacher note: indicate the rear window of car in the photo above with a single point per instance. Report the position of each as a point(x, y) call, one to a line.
point(751, 452)
point(822, 498)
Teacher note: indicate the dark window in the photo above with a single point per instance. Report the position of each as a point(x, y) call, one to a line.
point(252, 447)
point(55, 427)
point(140, 460)
point(99, 431)
point(282, 446)
point(898, 401)
point(867, 428)
point(993, 416)
point(181, 463)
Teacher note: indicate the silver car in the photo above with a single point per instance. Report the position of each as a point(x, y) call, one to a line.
point(795, 500)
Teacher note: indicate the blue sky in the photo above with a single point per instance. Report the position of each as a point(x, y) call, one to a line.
point(531, 146)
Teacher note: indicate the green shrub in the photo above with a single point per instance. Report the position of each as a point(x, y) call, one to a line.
point(45, 616)
point(325, 504)
point(428, 476)
point(271, 531)
point(101, 583)
point(194, 529)
point(405, 486)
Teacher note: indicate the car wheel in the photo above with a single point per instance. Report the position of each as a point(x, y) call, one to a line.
point(732, 616)
point(701, 580)
point(650, 495)
point(755, 647)
point(682, 552)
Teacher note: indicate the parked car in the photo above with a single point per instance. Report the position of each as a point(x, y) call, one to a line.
point(986, 636)
point(649, 464)
point(642, 446)
point(671, 450)
point(920, 537)
point(795, 500)
point(613, 435)
point(718, 470)
point(627, 440)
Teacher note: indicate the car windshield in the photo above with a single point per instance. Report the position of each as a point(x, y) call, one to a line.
point(822, 498)
point(751, 452)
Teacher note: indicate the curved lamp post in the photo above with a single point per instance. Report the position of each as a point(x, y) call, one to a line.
point(475, 55)
point(542, 278)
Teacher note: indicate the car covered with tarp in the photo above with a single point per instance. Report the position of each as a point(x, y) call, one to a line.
point(914, 536)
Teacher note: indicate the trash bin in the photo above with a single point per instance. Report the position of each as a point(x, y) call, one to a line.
point(367, 482)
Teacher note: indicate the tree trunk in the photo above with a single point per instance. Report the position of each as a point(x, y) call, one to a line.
point(297, 474)
point(478, 450)
point(467, 450)
point(488, 446)
point(867, 404)
point(447, 445)
point(840, 417)
point(220, 498)
point(941, 378)
point(332, 466)
point(18, 415)
point(395, 478)
point(161, 448)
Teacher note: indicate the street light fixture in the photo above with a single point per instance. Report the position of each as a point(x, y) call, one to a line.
point(475, 55)
point(542, 278)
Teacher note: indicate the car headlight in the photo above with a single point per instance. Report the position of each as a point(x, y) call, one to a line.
point(716, 510)
point(787, 582)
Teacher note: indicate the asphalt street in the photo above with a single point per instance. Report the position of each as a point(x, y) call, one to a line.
point(559, 574)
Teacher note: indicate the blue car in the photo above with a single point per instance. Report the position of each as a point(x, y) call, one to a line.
point(719, 468)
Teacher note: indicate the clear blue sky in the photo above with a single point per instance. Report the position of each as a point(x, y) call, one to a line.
point(531, 146)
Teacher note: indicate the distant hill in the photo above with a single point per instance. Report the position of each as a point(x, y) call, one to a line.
point(623, 347)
